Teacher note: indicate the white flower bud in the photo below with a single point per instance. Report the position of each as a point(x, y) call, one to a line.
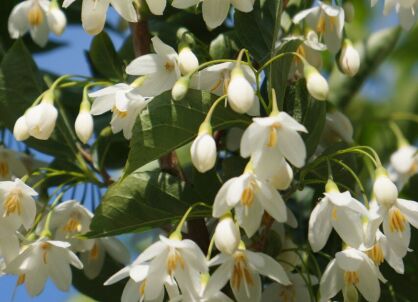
point(188, 61)
point(227, 235)
point(385, 190)
point(349, 12)
point(349, 59)
point(20, 130)
point(57, 21)
point(180, 88)
point(41, 120)
point(84, 126)
point(315, 83)
point(240, 92)
point(203, 152)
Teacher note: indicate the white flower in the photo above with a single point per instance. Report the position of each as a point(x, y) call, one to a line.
point(338, 124)
point(171, 258)
point(203, 152)
point(30, 15)
point(316, 84)
point(125, 103)
point(406, 10)
point(339, 211)
point(326, 20)
point(227, 235)
point(298, 291)
point(43, 259)
point(241, 95)
point(269, 139)
point(188, 61)
point(242, 269)
point(84, 125)
point(216, 79)
point(215, 12)
point(93, 13)
point(68, 219)
point(41, 120)
point(403, 164)
point(57, 20)
point(9, 242)
point(350, 270)
point(395, 213)
point(180, 88)
point(160, 68)
point(11, 165)
point(93, 259)
point(21, 130)
point(17, 204)
point(250, 196)
point(349, 59)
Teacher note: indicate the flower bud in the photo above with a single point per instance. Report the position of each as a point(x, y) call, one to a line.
point(315, 83)
point(188, 61)
point(384, 189)
point(180, 88)
point(57, 21)
point(203, 152)
point(84, 125)
point(20, 130)
point(41, 119)
point(240, 92)
point(349, 12)
point(227, 235)
point(349, 59)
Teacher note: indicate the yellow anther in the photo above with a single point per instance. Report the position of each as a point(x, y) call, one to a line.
point(247, 196)
point(35, 15)
point(120, 114)
point(12, 203)
point(4, 169)
point(320, 26)
point(94, 253)
point(241, 272)
point(169, 66)
point(351, 278)
point(334, 213)
point(396, 220)
point(21, 279)
point(272, 138)
point(376, 254)
point(174, 259)
point(73, 225)
point(45, 246)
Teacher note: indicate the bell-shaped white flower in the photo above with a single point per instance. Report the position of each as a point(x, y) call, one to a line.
point(351, 270)
point(93, 13)
point(188, 61)
point(21, 130)
point(241, 95)
point(57, 21)
point(243, 269)
point(203, 151)
point(406, 10)
point(84, 125)
point(403, 164)
point(30, 15)
point(215, 12)
point(349, 59)
point(326, 20)
point(125, 103)
point(227, 235)
point(396, 214)
point(17, 204)
point(316, 84)
point(41, 119)
point(267, 140)
point(43, 259)
point(249, 196)
point(68, 219)
point(161, 69)
point(171, 258)
point(11, 164)
point(298, 291)
point(339, 211)
point(93, 259)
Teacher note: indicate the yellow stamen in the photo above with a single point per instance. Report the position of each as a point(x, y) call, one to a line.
point(351, 278)
point(94, 253)
point(396, 220)
point(272, 139)
point(287, 294)
point(334, 213)
point(376, 254)
point(21, 279)
point(4, 169)
point(241, 272)
point(174, 258)
point(320, 26)
point(73, 224)
point(142, 288)
point(247, 196)
point(12, 203)
point(169, 66)
point(35, 15)
point(45, 246)
point(120, 114)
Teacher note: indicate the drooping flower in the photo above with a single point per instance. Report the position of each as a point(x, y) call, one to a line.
point(215, 12)
point(20, 129)
point(349, 59)
point(339, 211)
point(249, 196)
point(93, 13)
point(43, 259)
point(403, 164)
point(41, 119)
point(188, 61)
point(243, 269)
point(125, 103)
point(203, 151)
point(227, 235)
point(327, 21)
point(161, 69)
point(84, 125)
point(16, 203)
point(406, 10)
point(351, 270)
point(316, 84)
point(11, 165)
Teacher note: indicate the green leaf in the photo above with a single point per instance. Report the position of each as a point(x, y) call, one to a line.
point(168, 125)
point(104, 58)
point(141, 201)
